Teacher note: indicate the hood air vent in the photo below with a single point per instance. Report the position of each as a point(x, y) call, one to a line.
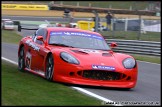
point(106, 54)
point(78, 51)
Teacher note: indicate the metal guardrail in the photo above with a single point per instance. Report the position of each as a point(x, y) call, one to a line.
point(137, 47)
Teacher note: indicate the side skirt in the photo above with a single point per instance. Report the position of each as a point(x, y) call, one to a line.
point(38, 72)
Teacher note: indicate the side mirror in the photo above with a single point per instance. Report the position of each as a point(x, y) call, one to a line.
point(113, 44)
point(41, 41)
point(40, 38)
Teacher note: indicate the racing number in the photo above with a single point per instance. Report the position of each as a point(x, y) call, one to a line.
point(28, 60)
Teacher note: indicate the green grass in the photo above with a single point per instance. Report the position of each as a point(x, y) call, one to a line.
point(10, 37)
point(22, 88)
point(132, 35)
point(153, 59)
point(33, 22)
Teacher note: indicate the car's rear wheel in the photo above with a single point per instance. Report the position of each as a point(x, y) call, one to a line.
point(21, 60)
point(49, 68)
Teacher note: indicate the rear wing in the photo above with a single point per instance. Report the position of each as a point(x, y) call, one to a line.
point(25, 28)
point(29, 28)
point(20, 27)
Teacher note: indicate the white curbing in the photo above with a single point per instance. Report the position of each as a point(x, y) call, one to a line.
point(9, 60)
point(96, 96)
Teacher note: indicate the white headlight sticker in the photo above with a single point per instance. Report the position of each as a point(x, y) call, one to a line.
point(101, 67)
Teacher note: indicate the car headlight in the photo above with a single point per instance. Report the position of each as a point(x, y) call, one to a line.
point(69, 58)
point(129, 63)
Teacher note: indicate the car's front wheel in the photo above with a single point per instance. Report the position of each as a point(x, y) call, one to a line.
point(21, 59)
point(49, 68)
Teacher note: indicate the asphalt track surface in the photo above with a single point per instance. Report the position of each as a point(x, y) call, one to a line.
point(146, 90)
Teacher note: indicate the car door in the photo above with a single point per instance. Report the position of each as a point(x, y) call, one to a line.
point(39, 51)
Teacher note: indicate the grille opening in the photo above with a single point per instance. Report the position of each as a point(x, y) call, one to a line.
point(79, 73)
point(123, 76)
point(129, 78)
point(106, 54)
point(103, 75)
point(71, 73)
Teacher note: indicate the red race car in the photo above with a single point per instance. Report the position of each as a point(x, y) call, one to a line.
point(76, 56)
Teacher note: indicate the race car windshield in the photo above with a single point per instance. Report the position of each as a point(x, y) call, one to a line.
point(78, 40)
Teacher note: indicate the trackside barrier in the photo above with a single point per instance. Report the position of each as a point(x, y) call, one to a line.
point(137, 47)
point(86, 25)
point(24, 7)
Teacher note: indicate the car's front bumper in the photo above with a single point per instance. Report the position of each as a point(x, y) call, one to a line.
point(74, 75)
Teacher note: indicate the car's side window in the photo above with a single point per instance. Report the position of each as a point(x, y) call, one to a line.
point(44, 34)
point(40, 32)
point(34, 36)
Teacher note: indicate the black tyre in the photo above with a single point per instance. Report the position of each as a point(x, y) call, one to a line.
point(21, 60)
point(49, 68)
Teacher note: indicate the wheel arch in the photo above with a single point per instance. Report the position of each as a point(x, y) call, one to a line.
point(48, 54)
point(45, 63)
point(22, 45)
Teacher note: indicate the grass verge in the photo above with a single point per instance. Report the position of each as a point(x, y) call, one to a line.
point(132, 35)
point(153, 59)
point(23, 88)
point(10, 37)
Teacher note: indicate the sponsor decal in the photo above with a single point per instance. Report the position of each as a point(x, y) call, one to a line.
point(110, 68)
point(89, 51)
point(65, 33)
point(24, 7)
point(34, 46)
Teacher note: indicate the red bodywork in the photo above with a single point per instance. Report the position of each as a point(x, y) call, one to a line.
point(81, 73)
